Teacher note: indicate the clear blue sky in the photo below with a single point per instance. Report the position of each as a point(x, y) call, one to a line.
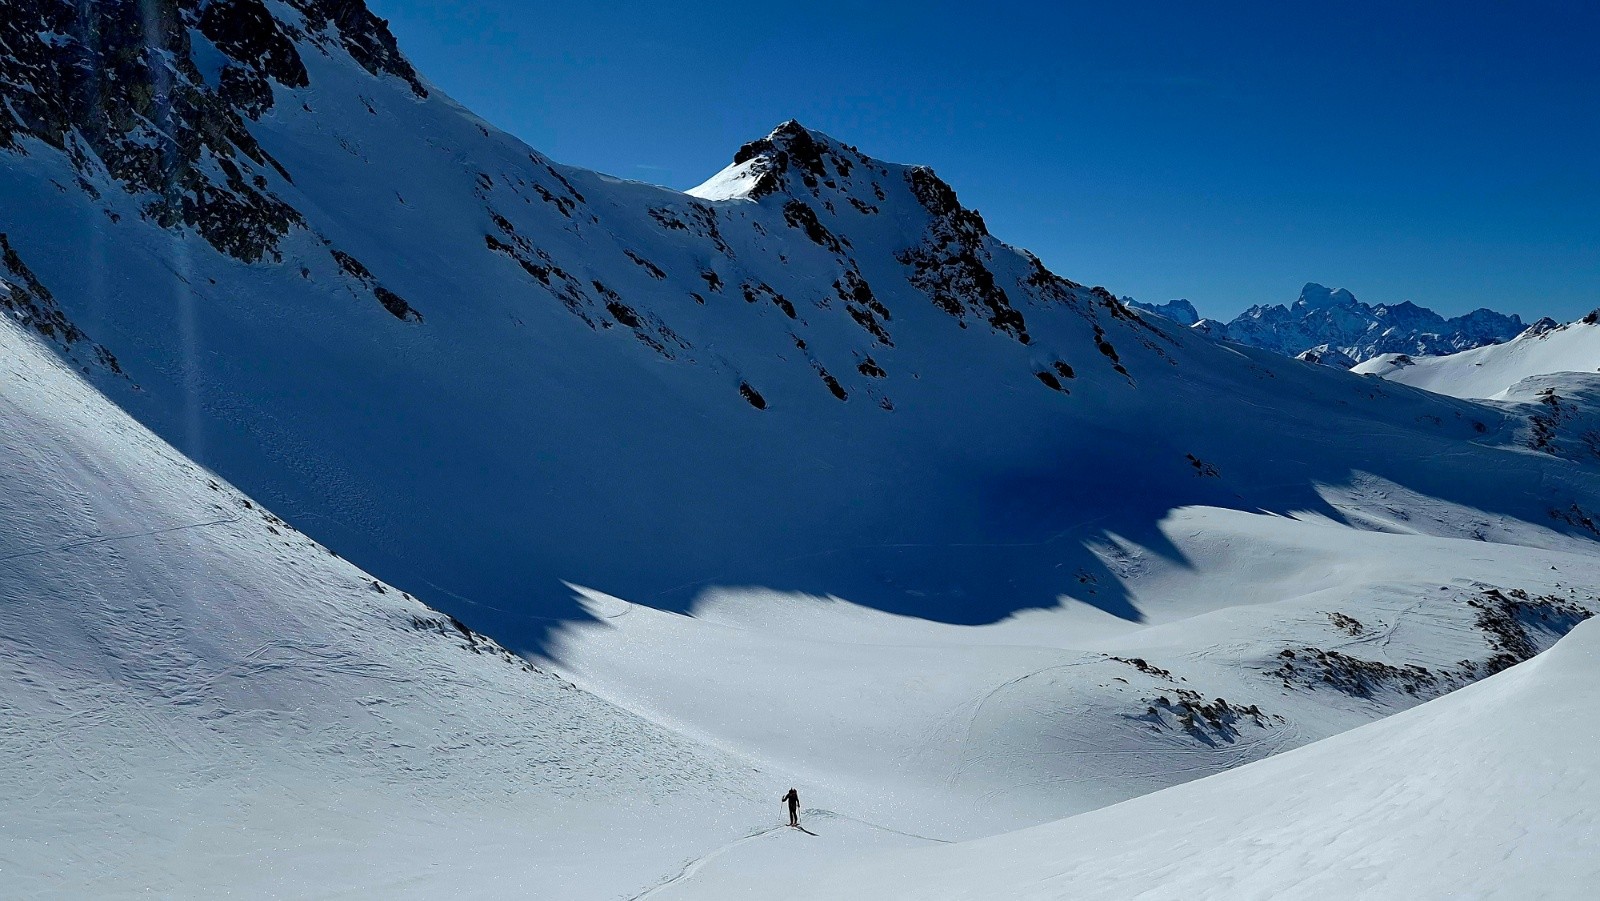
point(1441, 153)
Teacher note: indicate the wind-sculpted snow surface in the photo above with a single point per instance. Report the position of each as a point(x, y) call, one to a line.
point(200, 701)
point(1270, 634)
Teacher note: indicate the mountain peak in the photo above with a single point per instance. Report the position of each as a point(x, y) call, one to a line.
point(789, 147)
point(772, 164)
point(1544, 326)
point(791, 129)
point(1180, 311)
point(1318, 296)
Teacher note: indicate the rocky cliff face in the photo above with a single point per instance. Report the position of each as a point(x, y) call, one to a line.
point(155, 98)
point(30, 303)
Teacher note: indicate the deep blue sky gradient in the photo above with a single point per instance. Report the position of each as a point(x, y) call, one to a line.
point(1440, 153)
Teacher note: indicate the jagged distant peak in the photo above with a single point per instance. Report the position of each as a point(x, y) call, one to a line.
point(793, 141)
point(791, 147)
point(1180, 310)
point(1319, 296)
point(799, 160)
point(1544, 326)
point(1405, 306)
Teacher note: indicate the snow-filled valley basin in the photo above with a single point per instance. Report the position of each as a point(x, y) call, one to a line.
point(390, 511)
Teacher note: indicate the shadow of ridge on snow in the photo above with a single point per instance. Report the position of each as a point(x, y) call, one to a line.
point(948, 541)
point(968, 583)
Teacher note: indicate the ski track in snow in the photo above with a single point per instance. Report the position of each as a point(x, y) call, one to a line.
point(694, 865)
point(89, 542)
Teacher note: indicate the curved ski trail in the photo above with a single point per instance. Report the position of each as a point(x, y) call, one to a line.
point(696, 864)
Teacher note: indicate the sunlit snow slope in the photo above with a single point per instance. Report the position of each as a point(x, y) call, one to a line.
point(1491, 792)
point(1270, 633)
point(1490, 371)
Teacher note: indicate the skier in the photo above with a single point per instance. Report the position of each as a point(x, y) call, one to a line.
point(793, 800)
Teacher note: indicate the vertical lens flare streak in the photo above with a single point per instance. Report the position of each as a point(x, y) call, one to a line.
point(179, 261)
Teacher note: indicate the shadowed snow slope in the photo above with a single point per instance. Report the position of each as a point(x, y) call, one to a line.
point(1490, 792)
point(198, 701)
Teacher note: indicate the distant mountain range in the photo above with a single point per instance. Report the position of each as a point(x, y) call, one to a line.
point(1331, 326)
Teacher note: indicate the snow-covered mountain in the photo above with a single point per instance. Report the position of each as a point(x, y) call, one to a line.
point(1180, 311)
point(1325, 319)
point(337, 260)
point(699, 380)
point(1545, 348)
point(801, 478)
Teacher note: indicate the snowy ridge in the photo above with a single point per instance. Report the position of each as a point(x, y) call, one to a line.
point(1327, 356)
point(1489, 372)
